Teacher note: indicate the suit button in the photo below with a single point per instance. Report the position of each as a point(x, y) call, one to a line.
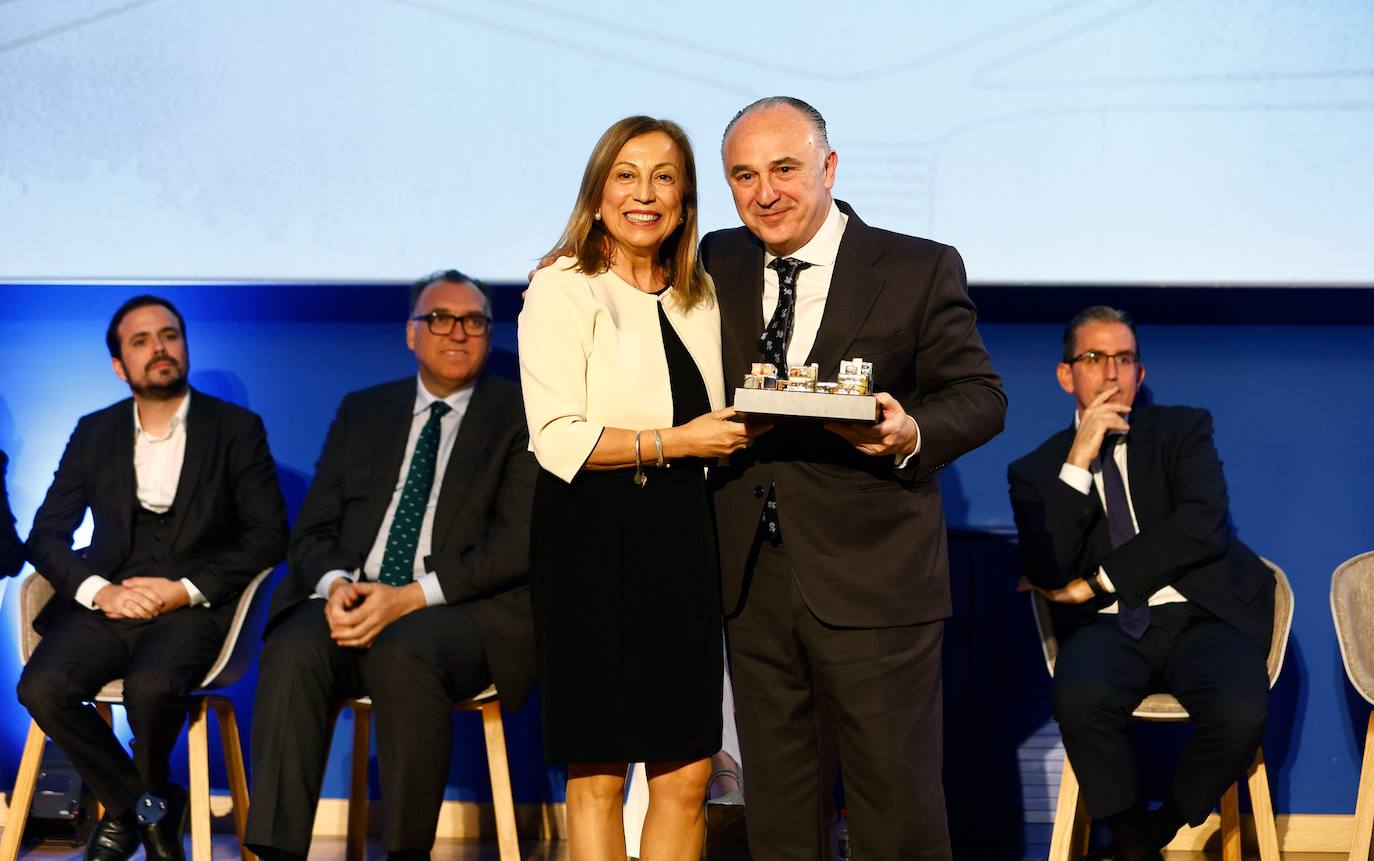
point(758, 491)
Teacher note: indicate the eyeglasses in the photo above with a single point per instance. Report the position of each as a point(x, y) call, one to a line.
point(442, 323)
point(1096, 360)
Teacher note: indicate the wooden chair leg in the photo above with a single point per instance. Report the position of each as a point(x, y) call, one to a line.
point(1066, 813)
point(21, 799)
point(1364, 801)
point(198, 754)
point(507, 838)
point(233, 765)
point(1230, 824)
point(1083, 831)
point(357, 784)
point(1262, 805)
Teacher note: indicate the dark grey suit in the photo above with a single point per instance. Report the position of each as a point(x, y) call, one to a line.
point(835, 640)
point(423, 661)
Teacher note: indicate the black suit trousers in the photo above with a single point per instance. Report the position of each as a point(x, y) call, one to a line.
point(161, 660)
point(415, 670)
point(808, 694)
point(1217, 673)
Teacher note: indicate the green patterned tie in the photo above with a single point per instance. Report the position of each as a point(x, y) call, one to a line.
point(398, 562)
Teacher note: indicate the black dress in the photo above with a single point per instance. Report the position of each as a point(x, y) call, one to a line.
point(627, 602)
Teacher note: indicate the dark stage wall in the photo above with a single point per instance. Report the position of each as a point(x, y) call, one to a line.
point(1286, 374)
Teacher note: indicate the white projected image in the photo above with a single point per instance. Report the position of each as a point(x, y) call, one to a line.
point(1052, 142)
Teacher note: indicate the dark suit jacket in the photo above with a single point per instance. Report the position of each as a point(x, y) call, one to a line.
point(481, 527)
point(872, 537)
point(11, 548)
point(229, 518)
point(1178, 492)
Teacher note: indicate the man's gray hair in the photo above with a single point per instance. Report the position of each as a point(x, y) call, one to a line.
point(812, 115)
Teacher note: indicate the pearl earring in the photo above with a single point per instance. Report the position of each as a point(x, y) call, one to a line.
point(596, 216)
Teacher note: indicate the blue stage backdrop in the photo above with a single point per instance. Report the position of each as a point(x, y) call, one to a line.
point(1286, 375)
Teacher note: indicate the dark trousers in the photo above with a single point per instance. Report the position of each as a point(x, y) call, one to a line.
point(1216, 672)
point(414, 671)
point(808, 694)
point(161, 660)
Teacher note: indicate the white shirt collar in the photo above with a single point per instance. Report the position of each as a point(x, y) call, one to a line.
point(457, 402)
point(824, 247)
point(178, 419)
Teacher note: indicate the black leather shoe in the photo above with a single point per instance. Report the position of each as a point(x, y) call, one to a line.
point(114, 839)
point(162, 823)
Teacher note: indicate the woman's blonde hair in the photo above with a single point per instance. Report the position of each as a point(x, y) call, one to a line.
point(587, 239)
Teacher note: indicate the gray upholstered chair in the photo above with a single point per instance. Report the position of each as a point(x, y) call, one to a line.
point(1352, 609)
point(234, 658)
point(486, 702)
point(1069, 840)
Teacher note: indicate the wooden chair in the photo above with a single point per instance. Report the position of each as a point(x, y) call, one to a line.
point(1352, 609)
point(489, 705)
point(234, 658)
point(1072, 825)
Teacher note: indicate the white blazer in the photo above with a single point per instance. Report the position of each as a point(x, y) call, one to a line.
point(591, 357)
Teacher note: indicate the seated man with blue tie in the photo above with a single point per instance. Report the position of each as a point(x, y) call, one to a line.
point(407, 582)
point(1123, 526)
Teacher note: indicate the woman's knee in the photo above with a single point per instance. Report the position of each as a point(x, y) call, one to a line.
point(682, 784)
point(598, 785)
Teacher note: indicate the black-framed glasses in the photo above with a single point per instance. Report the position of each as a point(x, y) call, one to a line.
point(442, 323)
point(1094, 359)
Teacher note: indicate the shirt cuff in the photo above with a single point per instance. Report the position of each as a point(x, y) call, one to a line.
point(85, 593)
point(434, 593)
point(903, 461)
point(322, 587)
point(1105, 580)
point(1076, 477)
point(197, 597)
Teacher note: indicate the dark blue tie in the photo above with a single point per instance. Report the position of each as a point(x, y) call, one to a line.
point(773, 345)
point(1133, 620)
point(773, 342)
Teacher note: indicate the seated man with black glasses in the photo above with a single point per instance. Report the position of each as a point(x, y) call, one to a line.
point(407, 583)
point(1122, 520)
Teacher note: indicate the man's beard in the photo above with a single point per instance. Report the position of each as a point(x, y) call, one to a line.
point(173, 388)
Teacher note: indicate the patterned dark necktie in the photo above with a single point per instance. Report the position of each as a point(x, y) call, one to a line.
point(1133, 620)
point(773, 345)
point(398, 561)
point(773, 342)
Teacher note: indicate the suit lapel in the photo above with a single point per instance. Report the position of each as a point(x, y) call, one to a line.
point(739, 287)
point(854, 287)
point(199, 429)
point(1143, 466)
point(122, 458)
point(468, 449)
point(390, 430)
point(393, 432)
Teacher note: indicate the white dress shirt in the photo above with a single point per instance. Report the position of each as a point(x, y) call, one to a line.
point(157, 471)
point(448, 433)
point(813, 288)
point(1084, 480)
